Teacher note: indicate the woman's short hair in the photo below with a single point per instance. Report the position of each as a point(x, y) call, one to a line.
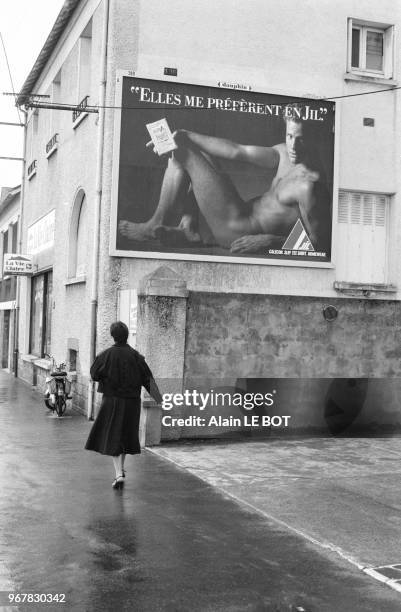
point(119, 331)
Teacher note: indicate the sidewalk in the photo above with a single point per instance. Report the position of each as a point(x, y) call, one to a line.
point(168, 542)
point(342, 493)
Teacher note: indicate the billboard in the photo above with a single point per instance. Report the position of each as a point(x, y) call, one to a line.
point(220, 174)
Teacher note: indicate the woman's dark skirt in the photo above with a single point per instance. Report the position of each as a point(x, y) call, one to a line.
point(116, 428)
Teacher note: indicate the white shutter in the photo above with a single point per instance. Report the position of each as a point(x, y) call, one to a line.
point(381, 207)
point(356, 208)
point(362, 237)
point(343, 207)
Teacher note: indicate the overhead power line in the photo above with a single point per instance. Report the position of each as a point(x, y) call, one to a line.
point(32, 103)
point(362, 93)
point(9, 73)
point(17, 94)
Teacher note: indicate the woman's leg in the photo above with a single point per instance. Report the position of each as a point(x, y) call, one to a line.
point(118, 465)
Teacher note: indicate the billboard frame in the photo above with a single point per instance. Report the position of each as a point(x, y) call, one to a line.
point(210, 258)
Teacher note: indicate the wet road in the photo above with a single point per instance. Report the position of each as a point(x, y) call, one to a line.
point(168, 542)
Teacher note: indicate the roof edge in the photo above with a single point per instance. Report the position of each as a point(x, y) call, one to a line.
point(12, 193)
point(58, 28)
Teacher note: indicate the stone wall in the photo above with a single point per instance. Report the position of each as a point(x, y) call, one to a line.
point(283, 336)
point(327, 376)
point(80, 394)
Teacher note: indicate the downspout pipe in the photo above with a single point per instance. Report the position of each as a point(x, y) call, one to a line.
point(97, 207)
point(19, 242)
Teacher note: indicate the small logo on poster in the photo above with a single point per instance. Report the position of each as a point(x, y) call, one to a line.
point(298, 239)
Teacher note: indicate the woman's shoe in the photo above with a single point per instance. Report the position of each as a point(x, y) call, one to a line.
point(118, 483)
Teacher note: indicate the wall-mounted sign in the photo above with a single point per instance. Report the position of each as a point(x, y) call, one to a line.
point(17, 265)
point(244, 176)
point(41, 234)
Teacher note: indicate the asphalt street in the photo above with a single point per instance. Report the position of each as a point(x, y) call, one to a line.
point(198, 527)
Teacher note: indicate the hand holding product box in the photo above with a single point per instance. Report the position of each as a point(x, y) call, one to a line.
point(161, 136)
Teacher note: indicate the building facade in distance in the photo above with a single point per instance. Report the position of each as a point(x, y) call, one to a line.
point(9, 217)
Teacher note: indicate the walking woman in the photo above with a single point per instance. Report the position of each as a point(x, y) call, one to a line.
point(121, 372)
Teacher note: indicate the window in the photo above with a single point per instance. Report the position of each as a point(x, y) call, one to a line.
point(32, 146)
point(78, 255)
point(82, 240)
point(370, 49)
point(5, 349)
point(4, 248)
point(8, 243)
point(41, 310)
point(55, 96)
point(84, 71)
point(362, 237)
point(83, 74)
point(14, 242)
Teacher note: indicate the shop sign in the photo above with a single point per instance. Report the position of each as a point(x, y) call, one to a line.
point(15, 264)
point(41, 234)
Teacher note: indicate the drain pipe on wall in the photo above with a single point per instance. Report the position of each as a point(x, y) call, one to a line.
point(98, 201)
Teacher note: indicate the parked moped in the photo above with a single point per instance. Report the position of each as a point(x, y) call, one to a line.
point(58, 388)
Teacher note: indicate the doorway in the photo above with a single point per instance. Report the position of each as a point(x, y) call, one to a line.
point(6, 339)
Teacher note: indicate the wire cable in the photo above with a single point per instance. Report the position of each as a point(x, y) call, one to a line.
point(11, 78)
point(362, 93)
point(95, 107)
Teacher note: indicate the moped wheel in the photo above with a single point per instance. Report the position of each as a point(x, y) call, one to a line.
point(60, 405)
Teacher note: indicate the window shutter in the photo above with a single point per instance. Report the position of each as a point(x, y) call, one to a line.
point(343, 207)
point(368, 203)
point(362, 237)
point(381, 211)
point(356, 208)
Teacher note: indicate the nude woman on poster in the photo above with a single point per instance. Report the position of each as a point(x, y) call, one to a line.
point(192, 174)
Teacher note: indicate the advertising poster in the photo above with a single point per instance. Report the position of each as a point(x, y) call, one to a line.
point(219, 174)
